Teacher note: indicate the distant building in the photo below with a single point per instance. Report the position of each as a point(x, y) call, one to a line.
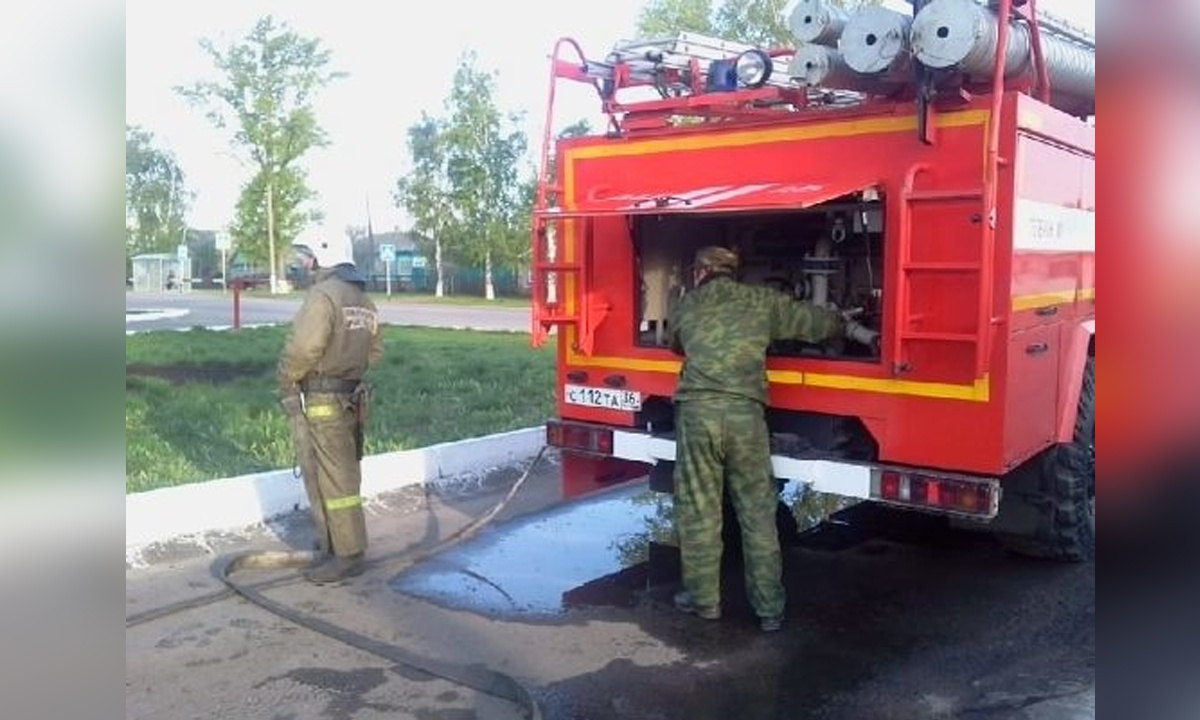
point(159, 272)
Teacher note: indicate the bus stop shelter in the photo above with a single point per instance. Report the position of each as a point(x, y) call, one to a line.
point(159, 272)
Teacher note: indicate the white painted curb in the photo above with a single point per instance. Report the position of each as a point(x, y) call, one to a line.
point(158, 314)
point(239, 502)
point(214, 328)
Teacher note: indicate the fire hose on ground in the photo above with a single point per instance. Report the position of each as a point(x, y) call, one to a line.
point(475, 676)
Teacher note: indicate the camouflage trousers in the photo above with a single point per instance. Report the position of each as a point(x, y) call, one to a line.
point(719, 442)
point(328, 455)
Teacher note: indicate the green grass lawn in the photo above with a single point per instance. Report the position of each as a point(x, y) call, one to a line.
point(201, 405)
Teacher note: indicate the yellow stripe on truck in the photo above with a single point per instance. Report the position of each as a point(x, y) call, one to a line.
point(791, 133)
point(979, 391)
point(1062, 297)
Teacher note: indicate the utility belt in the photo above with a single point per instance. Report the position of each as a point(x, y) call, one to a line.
point(329, 385)
point(358, 402)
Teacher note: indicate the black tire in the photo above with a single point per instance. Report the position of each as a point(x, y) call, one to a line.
point(1061, 491)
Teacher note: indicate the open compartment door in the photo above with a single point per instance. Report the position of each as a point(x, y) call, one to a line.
point(791, 204)
point(709, 198)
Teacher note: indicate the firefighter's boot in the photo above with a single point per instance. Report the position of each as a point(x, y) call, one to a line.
point(336, 568)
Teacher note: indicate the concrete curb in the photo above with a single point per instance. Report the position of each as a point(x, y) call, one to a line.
point(157, 314)
point(190, 328)
point(238, 502)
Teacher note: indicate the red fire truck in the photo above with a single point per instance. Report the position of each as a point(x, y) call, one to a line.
point(951, 206)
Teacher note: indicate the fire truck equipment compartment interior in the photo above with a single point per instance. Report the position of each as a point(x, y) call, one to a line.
point(830, 254)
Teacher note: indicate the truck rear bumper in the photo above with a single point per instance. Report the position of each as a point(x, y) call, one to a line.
point(825, 476)
point(945, 493)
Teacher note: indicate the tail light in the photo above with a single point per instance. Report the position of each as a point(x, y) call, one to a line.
point(594, 439)
point(977, 497)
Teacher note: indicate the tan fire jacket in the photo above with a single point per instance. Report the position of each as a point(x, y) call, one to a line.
point(335, 335)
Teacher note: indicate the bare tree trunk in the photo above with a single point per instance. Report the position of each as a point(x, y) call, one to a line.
point(271, 233)
point(437, 266)
point(489, 288)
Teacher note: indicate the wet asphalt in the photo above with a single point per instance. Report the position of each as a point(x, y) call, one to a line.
point(890, 615)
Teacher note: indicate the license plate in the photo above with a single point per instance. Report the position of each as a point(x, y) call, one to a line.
point(608, 398)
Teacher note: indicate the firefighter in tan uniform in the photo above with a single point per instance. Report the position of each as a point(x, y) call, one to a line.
point(335, 338)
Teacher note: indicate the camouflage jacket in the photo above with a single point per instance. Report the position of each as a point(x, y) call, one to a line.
point(723, 328)
point(334, 335)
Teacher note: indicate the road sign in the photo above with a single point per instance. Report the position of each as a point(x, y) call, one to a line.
point(387, 253)
point(224, 241)
point(181, 252)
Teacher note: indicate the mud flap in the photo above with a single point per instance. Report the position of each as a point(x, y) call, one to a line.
point(662, 476)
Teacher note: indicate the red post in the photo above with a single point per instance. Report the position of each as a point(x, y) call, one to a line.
point(237, 305)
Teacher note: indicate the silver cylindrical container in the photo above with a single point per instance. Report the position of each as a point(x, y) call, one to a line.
point(875, 41)
point(819, 22)
point(962, 34)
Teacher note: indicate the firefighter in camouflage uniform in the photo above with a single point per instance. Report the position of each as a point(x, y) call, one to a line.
point(334, 339)
point(722, 328)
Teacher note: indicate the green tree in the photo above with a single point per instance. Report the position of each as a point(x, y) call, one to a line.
point(467, 196)
point(483, 151)
point(425, 193)
point(155, 196)
point(202, 249)
point(763, 23)
point(268, 84)
point(579, 128)
point(289, 191)
point(666, 17)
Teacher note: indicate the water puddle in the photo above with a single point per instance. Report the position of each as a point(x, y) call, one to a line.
point(586, 552)
point(537, 565)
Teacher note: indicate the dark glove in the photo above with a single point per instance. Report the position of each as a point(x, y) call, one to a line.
point(292, 405)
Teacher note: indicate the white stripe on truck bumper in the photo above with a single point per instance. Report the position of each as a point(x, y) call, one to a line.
point(824, 476)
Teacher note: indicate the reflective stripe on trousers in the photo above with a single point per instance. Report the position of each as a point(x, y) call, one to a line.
point(343, 502)
point(322, 411)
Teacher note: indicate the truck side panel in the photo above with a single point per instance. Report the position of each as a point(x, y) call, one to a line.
point(1050, 240)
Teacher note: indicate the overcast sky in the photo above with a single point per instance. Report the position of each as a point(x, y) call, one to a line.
point(398, 65)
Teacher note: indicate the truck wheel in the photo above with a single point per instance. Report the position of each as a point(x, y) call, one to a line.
point(1061, 491)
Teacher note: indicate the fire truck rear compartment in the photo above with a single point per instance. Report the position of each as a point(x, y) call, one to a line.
point(830, 254)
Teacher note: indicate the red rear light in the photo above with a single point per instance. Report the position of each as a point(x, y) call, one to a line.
point(933, 493)
point(604, 442)
point(577, 436)
point(890, 485)
point(980, 498)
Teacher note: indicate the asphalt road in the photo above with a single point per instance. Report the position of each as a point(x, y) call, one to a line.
point(187, 310)
point(886, 620)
